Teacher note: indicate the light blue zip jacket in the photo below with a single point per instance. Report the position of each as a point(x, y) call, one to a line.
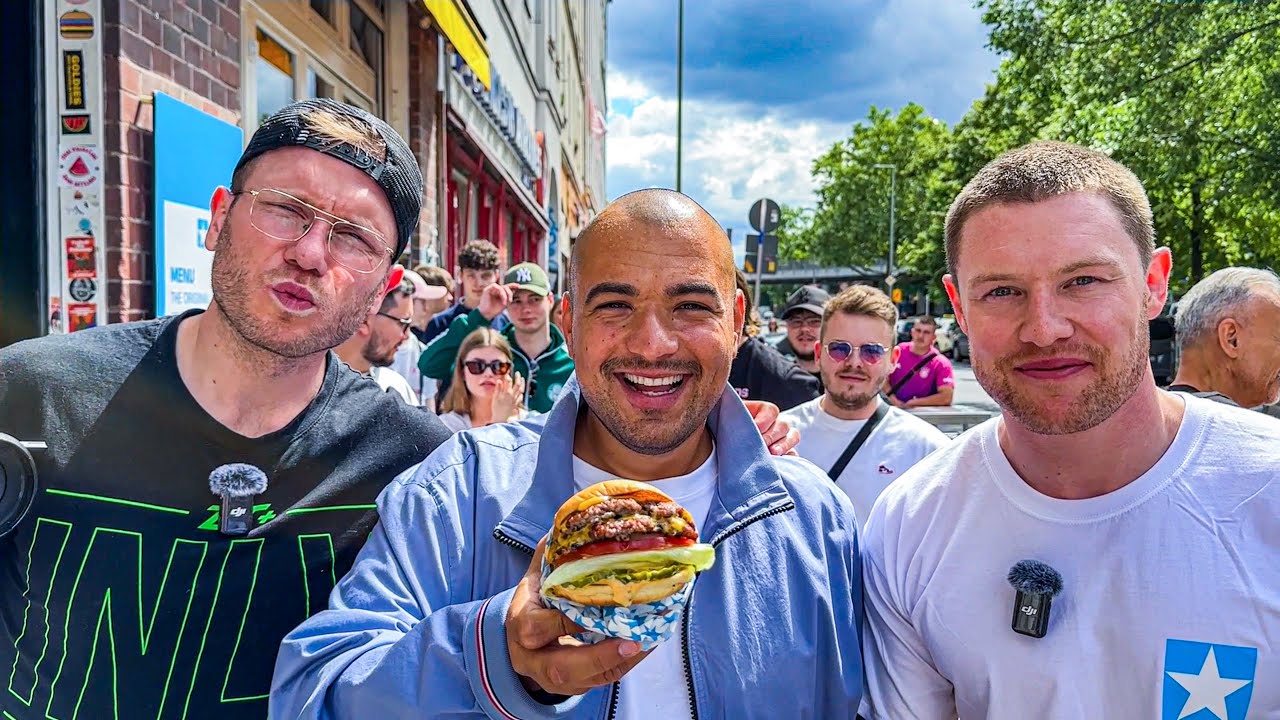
point(416, 629)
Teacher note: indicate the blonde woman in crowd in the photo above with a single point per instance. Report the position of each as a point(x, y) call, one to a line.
point(484, 391)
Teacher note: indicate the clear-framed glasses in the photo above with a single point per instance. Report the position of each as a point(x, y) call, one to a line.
point(284, 217)
point(871, 353)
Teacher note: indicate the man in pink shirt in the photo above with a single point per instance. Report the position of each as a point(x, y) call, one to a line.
point(923, 376)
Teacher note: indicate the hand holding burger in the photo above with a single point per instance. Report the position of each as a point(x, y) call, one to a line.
point(622, 543)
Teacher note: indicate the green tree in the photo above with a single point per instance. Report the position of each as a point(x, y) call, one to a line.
point(850, 224)
point(1184, 93)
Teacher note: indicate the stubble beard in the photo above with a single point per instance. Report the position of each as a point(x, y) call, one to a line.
point(1119, 377)
point(667, 437)
point(232, 287)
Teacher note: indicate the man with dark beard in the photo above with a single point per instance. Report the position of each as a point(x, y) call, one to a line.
point(143, 420)
point(373, 349)
point(441, 615)
point(1151, 515)
point(855, 354)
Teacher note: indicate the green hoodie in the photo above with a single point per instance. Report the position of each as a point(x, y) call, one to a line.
point(544, 376)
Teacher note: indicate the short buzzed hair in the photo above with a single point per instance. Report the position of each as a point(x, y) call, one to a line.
point(1215, 298)
point(1042, 170)
point(929, 320)
point(654, 207)
point(860, 300)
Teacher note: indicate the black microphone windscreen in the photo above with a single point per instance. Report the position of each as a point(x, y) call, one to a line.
point(1033, 576)
point(237, 480)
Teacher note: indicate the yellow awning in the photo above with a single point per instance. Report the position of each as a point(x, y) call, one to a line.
point(457, 25)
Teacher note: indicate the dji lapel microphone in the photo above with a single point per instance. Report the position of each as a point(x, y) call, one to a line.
point(1036, 584)
point(237, 484)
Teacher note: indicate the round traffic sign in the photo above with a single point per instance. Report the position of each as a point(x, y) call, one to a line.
point(765, 216)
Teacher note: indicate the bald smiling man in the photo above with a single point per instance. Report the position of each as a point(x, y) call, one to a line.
point(441, 614)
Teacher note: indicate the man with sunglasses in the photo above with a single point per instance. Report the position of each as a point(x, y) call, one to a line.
point(373, 349)
point(860, 440)
point(128, 590)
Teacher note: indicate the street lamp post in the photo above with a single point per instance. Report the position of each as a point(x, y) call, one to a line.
point(679, 91)
point(893, 201)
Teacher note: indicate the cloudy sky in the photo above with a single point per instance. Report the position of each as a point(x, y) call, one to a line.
point(770, 84)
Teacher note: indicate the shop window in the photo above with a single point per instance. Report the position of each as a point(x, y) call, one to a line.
point(274, 75)
point(318, 48)
point(325, 9)
point(366, 38)
point(318, 87)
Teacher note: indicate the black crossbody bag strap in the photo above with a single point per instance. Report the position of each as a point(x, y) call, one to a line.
point(898, 385)
point(856, 443)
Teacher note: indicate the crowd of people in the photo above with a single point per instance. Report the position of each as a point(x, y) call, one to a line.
point(388, 563)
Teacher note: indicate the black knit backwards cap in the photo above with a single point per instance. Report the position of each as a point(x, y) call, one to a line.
point(398, 175)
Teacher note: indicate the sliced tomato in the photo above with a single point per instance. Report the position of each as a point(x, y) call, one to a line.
point(611, 547)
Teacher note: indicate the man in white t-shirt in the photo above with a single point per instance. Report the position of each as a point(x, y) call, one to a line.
point(1155, 512)
point(854, 358)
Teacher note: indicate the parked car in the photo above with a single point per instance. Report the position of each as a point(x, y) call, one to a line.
point(959, 343)
point(944, 340)
point(904, 329)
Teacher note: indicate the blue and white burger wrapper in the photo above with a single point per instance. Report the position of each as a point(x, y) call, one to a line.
point(648, 624)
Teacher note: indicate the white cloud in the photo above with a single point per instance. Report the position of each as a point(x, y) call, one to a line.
point(732, 154)
point(625, 87)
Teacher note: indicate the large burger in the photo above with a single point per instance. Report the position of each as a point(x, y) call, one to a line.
point(622, 543)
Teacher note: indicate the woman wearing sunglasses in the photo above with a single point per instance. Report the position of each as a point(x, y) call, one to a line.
point(484, 391)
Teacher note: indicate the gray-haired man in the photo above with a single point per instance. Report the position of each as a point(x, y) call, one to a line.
point(1228, 334)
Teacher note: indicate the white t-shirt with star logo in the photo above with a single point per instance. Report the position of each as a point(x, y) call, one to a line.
point(658, 687)
point(1170, 607)
point(898, 442)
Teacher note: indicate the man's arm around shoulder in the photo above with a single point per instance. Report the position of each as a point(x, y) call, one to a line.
point(399, 640)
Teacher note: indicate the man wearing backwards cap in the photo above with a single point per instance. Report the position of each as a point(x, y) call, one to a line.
point(441, 616)
point(119, 595)
point(538, 347)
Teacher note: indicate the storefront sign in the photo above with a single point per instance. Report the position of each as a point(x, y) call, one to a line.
point(501, 108)
point(194, 154)
point(73, 79)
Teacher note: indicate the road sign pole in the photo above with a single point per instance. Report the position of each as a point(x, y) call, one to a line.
point(759, 266)
point(762, 223)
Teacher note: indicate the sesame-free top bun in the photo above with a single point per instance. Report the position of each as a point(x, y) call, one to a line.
point(588, 496)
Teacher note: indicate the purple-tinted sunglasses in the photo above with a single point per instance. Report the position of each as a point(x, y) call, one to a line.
point(871, 353)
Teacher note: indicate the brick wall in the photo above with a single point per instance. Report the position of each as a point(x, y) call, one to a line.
point(424, 125)
point(189, 49)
